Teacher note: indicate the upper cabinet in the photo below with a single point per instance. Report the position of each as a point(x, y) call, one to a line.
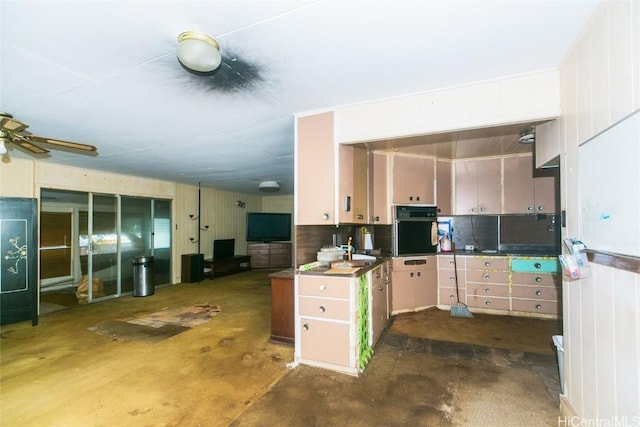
point(315, 198)
point(478, 187)
point(443, 187)
point(524, 190)
point(353, 200)
point(379, 206)
point(547, 144)
point(413, 180)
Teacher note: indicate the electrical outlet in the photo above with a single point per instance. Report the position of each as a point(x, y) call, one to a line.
point(469, 247)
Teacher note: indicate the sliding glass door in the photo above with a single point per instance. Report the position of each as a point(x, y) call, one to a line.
point(97, 237)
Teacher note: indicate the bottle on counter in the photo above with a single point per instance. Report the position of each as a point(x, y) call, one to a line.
point(445, 243)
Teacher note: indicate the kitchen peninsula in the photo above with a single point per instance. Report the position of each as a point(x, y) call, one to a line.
point(339, 317)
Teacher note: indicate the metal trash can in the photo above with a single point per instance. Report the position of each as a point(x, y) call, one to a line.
point(143, 276)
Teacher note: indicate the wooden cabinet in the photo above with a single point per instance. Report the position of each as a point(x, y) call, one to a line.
point(413, 180)
point(478, 187)
point(448, 272)
point(353, 200)
point(282, 307)
point(380, 281)
point(487, 282)
point(379, 206)
point(548, 144)
point(524, 192)
point(315, 155)
point(443, 187)
point(339, 319)
point(536, 285)
point(415, 283)
point(326, 322)
point(270, 255)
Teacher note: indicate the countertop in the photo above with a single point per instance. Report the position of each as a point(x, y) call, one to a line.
point(368, 266)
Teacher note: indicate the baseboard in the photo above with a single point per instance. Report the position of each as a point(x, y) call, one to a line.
point(566, 410)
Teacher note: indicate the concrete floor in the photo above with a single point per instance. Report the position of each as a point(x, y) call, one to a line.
point(428, 369)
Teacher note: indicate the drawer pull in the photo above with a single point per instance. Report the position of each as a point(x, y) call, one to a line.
point(486, 276)
point(487, 291)
point(380, 288)
point(538, 279)
point(451, 262)
point(487, 303)
point(378, 274)
point(322, 287)
point(322, 309)
point(487, 263)
point(325, 216)
point(419, 274)
point(452, 296)
point(537, 265)
point(538, 306)
point(538, 293)
point(411, 274)
point(305, 326)
point(452, 278)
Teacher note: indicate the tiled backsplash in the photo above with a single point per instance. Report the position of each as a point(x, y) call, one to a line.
point(518, 233)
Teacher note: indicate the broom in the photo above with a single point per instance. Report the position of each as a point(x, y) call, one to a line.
point(459, 309)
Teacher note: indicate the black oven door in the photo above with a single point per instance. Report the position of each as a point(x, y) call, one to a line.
point(417, 237)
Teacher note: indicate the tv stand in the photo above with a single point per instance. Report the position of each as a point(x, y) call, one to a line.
point(230, 265)
point(270, 255)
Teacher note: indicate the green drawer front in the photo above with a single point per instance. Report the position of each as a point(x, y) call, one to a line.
point(535, 265)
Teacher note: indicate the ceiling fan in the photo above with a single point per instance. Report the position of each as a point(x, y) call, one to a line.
point(13, 131)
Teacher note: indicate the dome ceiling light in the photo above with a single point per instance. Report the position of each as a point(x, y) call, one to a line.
point(198, 52)
point(269, 186)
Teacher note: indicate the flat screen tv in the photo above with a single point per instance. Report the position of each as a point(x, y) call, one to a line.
point(268, 227)
point(224, 248)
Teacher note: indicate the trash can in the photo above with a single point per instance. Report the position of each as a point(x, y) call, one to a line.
point(558, 342)
point(143, 276)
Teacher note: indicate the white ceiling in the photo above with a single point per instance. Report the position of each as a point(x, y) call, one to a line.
point(105, 72)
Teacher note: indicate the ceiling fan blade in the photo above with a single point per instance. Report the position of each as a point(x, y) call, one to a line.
point(11, 125)
point(68, 144)
point(27, 145)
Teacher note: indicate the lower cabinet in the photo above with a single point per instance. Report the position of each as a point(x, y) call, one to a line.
point(282, 307)
point(339, 319)
point(513, 284)
point(270, 255)
point(415, 283)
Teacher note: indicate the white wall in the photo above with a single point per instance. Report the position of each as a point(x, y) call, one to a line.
point(600, 84)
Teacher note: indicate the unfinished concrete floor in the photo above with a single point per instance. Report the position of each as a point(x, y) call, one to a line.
point(428, 369)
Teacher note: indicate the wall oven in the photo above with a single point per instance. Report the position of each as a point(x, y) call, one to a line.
point(415, 230)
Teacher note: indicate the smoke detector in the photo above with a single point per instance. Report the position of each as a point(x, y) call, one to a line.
point(269, 186)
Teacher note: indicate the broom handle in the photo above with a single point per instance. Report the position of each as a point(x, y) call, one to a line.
point(455, 274)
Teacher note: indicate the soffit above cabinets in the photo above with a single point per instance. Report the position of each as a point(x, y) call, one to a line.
point(462, 144)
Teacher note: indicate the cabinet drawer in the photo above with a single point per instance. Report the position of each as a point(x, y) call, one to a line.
point(446, 277)
point(480, 289)
point(488, 263)
point(535, 292)
point(535, 306)
point(542, 279)
point(315, 336)
point(415, 263)
point(447, 296)
point(486, 276)
point(488, 302)
point(337, 309)
point(331, 287)
point(446, 261)
point(535, 265)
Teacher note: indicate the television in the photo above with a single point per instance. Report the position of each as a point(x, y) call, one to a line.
point(268, 227)
point(224, 248)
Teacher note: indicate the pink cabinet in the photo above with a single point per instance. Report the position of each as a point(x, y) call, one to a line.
point(526, 190)
point(478, 187)
point(379, 206)
point(315, 156)
point(413, 180)
point(443, 187)
point(415, 283)
point(353, 176)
